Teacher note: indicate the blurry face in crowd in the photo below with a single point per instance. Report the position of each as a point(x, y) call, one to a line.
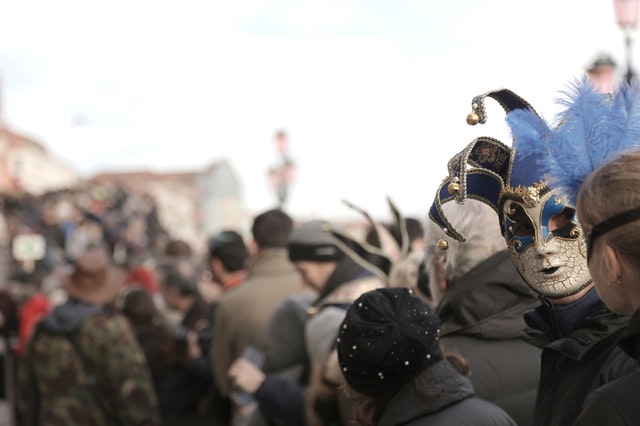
point(315, 274)
point(170, 296)
point(546, 245)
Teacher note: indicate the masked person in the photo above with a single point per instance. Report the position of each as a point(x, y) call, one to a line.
point(604, 184)
point(572, 326)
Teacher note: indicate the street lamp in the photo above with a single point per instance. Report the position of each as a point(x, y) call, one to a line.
point(627, 18)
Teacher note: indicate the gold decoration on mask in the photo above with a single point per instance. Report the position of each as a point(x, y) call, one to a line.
point(530, 195)
point(517, 244)
point(443, 244)
point(575, 232)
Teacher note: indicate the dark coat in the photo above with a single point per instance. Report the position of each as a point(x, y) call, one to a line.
point(481, 320)
point(616, 403)
point(82, 366)
point(454, 405)
point(573, 365)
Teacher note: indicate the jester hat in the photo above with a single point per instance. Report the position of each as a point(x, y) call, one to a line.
point(591, 128)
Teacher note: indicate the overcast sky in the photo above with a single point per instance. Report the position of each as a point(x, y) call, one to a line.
point(372, 93)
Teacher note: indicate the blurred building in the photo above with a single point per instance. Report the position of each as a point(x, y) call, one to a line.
point(191, 205)
point(27, 166)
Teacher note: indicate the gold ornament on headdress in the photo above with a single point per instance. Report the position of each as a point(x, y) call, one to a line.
point(454, 187)
point(530, 195)
point(477, 114)
point(473, 119)
point(443, 244)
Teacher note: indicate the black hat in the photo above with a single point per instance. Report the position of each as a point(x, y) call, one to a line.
point(229, 247)
point(312, 241)
point(388, 336)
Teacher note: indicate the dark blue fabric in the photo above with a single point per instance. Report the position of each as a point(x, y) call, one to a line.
point(281, 399)
point(561, 320)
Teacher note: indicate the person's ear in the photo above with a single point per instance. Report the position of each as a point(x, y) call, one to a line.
point(252, 246)
point(613, 264)
point(216, 265)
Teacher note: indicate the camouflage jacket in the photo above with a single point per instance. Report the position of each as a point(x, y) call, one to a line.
point(105, 353)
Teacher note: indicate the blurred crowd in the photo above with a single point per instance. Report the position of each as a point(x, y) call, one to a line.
point(514, 303)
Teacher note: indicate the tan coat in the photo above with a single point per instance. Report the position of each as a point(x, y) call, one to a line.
point(243, 312)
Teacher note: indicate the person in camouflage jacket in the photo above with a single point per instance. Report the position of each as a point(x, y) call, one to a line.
point(83, 366)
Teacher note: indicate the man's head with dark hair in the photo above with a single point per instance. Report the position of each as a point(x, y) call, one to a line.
point(271, 229)
point(180, 276)
point(178, 248)
point(230, 249)
point(179, 284)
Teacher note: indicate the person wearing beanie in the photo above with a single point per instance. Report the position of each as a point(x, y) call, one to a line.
point(389, 354)
point(337, 280)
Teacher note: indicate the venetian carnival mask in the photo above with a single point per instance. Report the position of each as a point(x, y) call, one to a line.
point(544, 240)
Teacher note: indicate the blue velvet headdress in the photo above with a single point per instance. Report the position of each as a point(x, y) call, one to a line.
point(486, 169)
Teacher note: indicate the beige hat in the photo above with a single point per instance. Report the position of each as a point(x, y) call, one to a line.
point(94, 279)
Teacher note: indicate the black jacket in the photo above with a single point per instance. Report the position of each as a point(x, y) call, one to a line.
point(455, 403)
point(482, 319)
point(616, 403)
point(574, 363)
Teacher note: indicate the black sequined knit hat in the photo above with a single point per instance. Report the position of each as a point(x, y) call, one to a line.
point(388, 336)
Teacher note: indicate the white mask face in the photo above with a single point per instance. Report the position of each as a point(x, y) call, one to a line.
point(546, 245)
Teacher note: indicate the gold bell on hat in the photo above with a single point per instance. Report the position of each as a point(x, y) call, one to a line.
point(454, 188)
point(473, 119)
point(442, 243)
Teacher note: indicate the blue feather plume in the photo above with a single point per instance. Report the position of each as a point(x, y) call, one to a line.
point(530, 137)
point(591, 129)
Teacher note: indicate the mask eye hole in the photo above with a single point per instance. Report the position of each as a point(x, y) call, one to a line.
point(522, 229)
point(561, 219)
point(519, 223)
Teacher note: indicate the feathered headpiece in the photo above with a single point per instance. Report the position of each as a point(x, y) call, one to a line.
point(592, 129)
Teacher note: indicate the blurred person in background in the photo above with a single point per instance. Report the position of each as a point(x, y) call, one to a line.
point(228, 258)
point(180, 373)
point(243, 311)
point(83, 364)
point(337, 280)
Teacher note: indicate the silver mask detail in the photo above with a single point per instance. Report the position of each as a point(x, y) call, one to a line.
point(546, 245)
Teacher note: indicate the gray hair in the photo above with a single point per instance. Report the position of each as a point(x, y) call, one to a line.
point(479, 224)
